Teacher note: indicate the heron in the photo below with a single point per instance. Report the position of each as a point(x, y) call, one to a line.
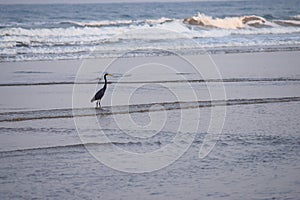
point(98, 96)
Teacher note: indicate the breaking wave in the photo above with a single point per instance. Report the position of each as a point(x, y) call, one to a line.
point(225, 23)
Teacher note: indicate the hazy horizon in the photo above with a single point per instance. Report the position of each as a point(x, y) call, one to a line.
point(95, 1)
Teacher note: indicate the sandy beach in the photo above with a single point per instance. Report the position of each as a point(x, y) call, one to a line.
point(256, 156)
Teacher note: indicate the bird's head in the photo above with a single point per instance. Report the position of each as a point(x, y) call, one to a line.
point(106, 74)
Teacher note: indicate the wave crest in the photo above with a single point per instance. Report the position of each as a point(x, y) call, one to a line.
point(287, 22)
point(225, 23)
point(158, 21)
point(296, 17)
point(117, 22)
point(99, 23)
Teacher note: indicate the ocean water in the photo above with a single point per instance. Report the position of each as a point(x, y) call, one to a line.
point(51, 32)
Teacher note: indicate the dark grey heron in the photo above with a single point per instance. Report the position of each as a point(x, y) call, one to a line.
point(98, 96)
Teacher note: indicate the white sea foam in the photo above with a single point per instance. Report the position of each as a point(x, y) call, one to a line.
point(251, 31)
point(49, 32)
point(296, 17)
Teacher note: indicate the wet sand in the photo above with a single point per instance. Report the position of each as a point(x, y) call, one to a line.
point(46, 85)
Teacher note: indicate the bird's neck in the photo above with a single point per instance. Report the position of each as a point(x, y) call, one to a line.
point(105, 82)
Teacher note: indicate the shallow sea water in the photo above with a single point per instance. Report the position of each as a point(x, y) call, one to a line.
point(256, 157)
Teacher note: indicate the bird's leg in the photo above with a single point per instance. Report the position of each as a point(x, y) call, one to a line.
point(98, 104)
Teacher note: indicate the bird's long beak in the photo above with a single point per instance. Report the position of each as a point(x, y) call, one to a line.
point(109, 75)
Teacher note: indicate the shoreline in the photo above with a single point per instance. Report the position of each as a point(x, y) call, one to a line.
point(182, 52)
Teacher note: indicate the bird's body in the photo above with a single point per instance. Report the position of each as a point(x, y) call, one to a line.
point(98, 96)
